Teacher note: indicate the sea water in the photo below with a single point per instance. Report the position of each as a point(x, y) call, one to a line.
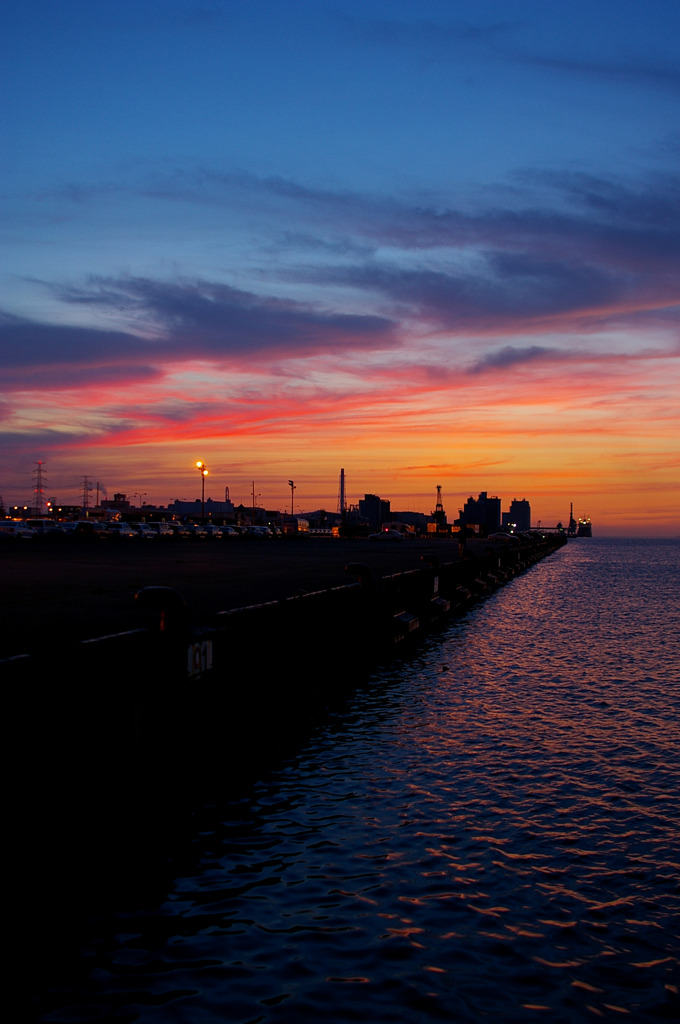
point(487, 831)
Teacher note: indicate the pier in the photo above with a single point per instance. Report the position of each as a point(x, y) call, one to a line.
point(119, 655)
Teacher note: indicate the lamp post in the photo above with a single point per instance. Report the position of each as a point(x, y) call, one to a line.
point(255, 497)
point(203, 470)
point(292, 493)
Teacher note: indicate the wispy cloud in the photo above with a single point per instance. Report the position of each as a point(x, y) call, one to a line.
point(564, 252)
point(434, 39)
point(602, 255)
point(175, 321)
point(511, 356)
point(507, 41)
point(632, 73)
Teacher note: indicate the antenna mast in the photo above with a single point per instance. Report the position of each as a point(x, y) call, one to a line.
point(342, 503)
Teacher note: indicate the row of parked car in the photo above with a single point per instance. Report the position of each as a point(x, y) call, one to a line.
point(92, 528)
point(152, 531)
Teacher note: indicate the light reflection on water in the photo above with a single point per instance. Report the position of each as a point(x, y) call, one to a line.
point(490, 830)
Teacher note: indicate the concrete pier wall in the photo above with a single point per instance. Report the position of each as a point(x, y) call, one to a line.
point(229, 693)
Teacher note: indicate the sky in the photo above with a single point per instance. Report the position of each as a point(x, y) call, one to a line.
point(434, 243)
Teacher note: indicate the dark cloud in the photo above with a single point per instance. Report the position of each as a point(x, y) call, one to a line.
point(72, 375)
point(607, 201)
point(505, 292)
point(37, 355)
point(203, 318)
point(45, 440)
point(595, 248)
point(510, 355)
point(558, 251)
point(574, 215)
point(176, 321)
point(558, 243)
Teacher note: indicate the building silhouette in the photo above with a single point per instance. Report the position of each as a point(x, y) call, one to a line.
point(483, 512)
point(519, 516)
point(375, 510)
point(213, 509)
point(119, 503)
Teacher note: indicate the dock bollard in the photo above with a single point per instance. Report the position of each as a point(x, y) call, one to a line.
point(362, 572)
point(168, 603)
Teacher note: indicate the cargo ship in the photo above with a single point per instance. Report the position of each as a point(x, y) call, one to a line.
point(584, 528)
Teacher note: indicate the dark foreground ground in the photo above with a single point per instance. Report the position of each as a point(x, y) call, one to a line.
point(79, 590)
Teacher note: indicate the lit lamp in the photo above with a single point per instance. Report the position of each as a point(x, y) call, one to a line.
point(203, 470)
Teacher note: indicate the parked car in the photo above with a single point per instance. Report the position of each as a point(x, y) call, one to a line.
point(90, 529)
point(44, 527)
point(122, 530)
point(212, 531)
point(197, 531)
point(143, 531)
point(160, 529)
point(179, 530)
point(17, 531)
point(387, 535)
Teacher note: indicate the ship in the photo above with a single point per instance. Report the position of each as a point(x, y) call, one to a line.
point(582, 528)
point(585, 527)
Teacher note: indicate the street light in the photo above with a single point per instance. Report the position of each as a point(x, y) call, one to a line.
point(292, 493)
point(203, 470)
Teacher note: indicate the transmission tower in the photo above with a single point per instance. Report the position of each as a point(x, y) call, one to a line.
point(87, 487)
point(39, 490)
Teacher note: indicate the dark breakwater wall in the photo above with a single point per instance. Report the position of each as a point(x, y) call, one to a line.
point(117, 738)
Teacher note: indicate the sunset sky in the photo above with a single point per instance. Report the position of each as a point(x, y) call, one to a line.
point(431, 242)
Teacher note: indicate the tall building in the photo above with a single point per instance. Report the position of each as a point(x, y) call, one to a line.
point(484, 512)
point(519, 516)
point(375, 509)
point(120, 502)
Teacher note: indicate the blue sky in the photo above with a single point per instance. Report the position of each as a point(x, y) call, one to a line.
point(424, 241)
